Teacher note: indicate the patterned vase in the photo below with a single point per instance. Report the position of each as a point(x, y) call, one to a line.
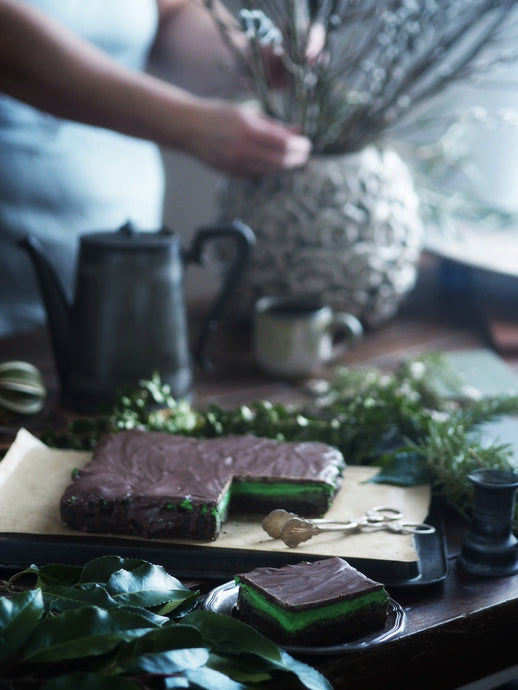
point(345, 228)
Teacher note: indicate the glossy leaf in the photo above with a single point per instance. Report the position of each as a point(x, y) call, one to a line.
point(176, 682)
point(57, 573)
point(209, 679)
point(18, 615)
point(308, 676)
point(137, 582)
point(101, 569)
point(252, 670)
point(175, 636)
point(168, 662)
point(230, 634)
point(78, 633)
point(402, 469)
point(60, 598)
point(180, 607)
point(153, 618)
point(147, 585)
point(246, 669)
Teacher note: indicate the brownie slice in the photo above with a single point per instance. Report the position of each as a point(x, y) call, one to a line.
point(324, 602)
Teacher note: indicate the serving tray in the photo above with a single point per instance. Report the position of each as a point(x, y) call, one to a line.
point(33, 478)
point(188, 561)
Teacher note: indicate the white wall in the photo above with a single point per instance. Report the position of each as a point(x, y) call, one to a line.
point(191, 203)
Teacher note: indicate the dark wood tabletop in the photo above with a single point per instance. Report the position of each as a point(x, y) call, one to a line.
point(458, 630)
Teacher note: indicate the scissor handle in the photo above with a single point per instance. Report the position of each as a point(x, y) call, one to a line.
point(382, 514)
point(410, 527)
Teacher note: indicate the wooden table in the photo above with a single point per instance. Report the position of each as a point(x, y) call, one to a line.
point(457, 631)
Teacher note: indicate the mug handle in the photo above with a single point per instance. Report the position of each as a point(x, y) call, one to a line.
point(346, 330)
point(244, 239)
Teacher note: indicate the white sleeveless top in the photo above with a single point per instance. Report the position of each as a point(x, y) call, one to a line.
point(59, 179)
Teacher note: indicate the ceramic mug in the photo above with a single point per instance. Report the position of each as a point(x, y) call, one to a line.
point(296, 337)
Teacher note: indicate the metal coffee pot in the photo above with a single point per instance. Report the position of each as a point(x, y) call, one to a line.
point(127, 319)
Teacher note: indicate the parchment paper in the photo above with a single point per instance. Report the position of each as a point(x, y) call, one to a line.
point(34, 476)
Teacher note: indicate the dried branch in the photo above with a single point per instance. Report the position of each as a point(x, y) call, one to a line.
point(380, 60)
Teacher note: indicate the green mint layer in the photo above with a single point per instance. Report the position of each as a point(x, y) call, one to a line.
point(280, 489)
point(220, 511)
point(294, 621)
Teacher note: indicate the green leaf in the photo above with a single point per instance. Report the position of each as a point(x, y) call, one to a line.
point(230, 634)
point(246, 669)
point(153, 618)
point(136, 582)
point(84, 632)
point(180, 607)
point(61, 598)
point(147, 585)
point(56, 573)
point(209, 679)
point(18, 615)
point(175, 636)
point(101, 569)
point(403, 469)
point(176, 682)
point(90, 681)
point(308, 676)
point(168, 662)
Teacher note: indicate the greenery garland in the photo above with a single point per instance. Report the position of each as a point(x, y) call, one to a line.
point(419, 423)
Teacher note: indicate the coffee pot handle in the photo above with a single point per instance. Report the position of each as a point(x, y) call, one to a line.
point(244, 240)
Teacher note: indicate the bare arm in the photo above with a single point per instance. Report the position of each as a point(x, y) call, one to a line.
point(68, 77)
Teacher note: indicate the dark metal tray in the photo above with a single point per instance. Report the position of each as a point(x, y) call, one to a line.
point(17, 551)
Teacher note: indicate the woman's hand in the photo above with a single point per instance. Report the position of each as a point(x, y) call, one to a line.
point(240, 141)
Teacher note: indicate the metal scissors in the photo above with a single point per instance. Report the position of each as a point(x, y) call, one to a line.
point(293, 529)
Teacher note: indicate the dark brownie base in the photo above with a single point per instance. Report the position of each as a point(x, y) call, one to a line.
point(341, 630)
point(139, 517)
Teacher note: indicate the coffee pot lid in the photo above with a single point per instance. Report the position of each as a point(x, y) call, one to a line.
point(128, 237)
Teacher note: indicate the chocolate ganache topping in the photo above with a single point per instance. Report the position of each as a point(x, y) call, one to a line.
point(137, 463)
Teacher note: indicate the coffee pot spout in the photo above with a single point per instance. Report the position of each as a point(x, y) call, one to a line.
point(55, 302)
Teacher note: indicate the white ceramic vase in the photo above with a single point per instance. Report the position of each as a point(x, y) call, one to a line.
point(344, 228)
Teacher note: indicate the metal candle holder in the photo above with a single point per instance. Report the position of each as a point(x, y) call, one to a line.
point(490, 548)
